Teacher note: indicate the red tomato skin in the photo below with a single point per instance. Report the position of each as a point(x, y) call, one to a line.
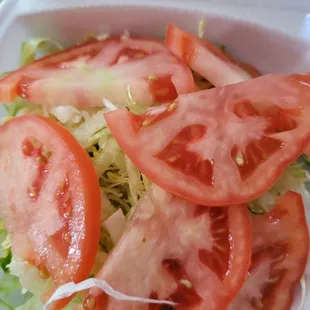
point(90, 195)
point(221, 70)
point(285, 225)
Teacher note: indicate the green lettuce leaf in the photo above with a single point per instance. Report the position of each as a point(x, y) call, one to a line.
point(4, 306)
point(17, 105)
point(10, 291)
point(30, 48)
point(33, 303)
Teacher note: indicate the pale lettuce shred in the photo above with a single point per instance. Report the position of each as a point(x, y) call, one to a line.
point(294, 177)
point(303, 293)
point(201, 28)
point(33, 285)
point(71, 288)
point(5, 246)
point(10, 289)
point(10, 286)
point(132, 105)
point(30, 50)
point(38, 47)
point(3, 233)
point(115, 225)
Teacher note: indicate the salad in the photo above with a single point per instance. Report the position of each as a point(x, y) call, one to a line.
point(152, 175)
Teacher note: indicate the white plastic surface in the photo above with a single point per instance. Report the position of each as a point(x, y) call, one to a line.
point(272, 40)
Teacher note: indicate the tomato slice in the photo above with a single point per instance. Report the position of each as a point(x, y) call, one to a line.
point(84, 75)
point(50, 198)
point(207, 59)
point(156, 78)
point(211, 62)
point(102, 53)
point(280, 253)
point(173, 250)
point(219, 146)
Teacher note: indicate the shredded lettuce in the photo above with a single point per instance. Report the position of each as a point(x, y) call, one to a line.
point(135, 181)
point(6, 256)
point(132, 105)
point(29, 276)
point(71, 288)
point(3, 74)
point(105, 156)
point(201, 27)
point(16, 106)
point(5, 248)
point(115, 225)
point(2, 232)
point(293, 177)
point(33, 303)
point(303, 286)
point(9, 285)
point(66, 114)
point(30, 49)
point(5, 306)
point(10, 291)
point(91, 124)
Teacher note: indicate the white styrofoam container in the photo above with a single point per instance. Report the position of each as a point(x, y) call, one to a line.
point(271, 39)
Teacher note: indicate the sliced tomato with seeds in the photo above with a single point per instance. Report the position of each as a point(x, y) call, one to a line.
point(50, 199)
point(207, 59)
point(156, 78)
point(94, 53)
point(84, 75)
point(210, 61)
point(280, 253)
point(219, 146)
point(195, 256)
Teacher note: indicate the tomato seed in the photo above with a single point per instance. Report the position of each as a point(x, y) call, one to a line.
point(274, 279)
point(67, 197)
point(173, 158)
point(89, 303)
point(256, 303)
point(139, 55)
point(26, 150)
point(44, 274)
point(152, 78)
point(186, 283)
point(62, 186)
point(67, 215)
point(219, 247)
point(33, 192)
point(41, 160)
point(218, 218)
point(27, 147)
point(67, 238)
point(147, 121)
point(172, 107)
point(239, 159)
